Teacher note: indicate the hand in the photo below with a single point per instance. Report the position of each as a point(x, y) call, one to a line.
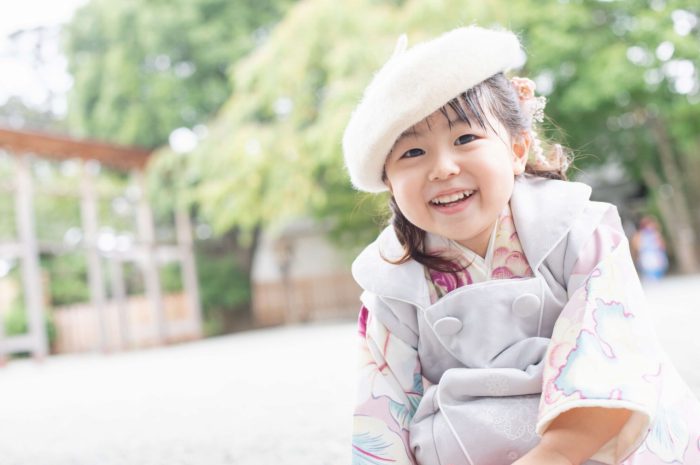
point(575, 435)
point(542, 455)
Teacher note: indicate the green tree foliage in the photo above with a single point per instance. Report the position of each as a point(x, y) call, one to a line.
point(226, 295)
point(273, 153)
point(624, 86)
point(621, 78)
point(144, 68)
point(67, 283)
point(15, 320)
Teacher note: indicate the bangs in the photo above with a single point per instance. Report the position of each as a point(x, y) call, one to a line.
point(469, 109)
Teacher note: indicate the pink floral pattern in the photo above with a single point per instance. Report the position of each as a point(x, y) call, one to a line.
point(448, 282)
point(508, 261)
point(388, 394)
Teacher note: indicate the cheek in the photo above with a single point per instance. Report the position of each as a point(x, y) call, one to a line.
point(503, 191)
point(500, 171)
point(402, 183)
point(409, 201)
point(406, 198)
point(497, 179)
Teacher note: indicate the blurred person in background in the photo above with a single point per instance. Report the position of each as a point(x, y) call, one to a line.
point(650, 249)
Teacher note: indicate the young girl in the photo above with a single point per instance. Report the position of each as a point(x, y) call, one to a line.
point(502, 320)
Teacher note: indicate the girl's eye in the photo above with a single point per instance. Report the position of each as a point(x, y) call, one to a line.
point(413, 153)
point(465, 139)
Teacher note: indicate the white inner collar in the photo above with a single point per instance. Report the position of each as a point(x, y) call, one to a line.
point(479, 264)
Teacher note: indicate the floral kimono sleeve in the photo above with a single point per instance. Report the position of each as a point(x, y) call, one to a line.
point(389, 390)
point(603, 351)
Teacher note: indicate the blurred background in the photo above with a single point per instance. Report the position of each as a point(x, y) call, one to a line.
point(171, 171)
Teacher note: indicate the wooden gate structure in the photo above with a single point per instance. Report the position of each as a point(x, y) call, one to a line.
point(26, 147)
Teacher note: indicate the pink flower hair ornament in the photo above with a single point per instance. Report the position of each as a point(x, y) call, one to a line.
point(532, 107)
point(533, 110)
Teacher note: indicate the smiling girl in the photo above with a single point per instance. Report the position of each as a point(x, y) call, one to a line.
point(502, 319)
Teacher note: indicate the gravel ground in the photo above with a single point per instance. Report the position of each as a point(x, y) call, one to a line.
point(675, 305)
point(281, 396)
point(278, 396)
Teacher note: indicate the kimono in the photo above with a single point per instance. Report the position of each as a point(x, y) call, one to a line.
point(471, 368)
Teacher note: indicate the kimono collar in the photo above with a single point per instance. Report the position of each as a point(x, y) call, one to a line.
point(544, 210)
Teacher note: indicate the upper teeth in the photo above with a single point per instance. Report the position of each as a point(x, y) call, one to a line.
point(451, 197)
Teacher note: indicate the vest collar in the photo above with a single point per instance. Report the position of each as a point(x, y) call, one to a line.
point(544, 210)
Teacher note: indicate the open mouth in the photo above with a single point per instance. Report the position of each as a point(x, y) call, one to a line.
point(452, 199)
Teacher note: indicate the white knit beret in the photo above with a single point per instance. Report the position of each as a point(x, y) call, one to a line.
point(412, 85)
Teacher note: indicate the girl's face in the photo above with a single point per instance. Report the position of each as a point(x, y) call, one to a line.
point(453, 179)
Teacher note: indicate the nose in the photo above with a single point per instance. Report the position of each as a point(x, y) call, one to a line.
point(444, 166)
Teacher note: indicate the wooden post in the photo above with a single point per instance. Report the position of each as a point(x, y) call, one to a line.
point(3, 349)
point(89, 214)
point(31, 272)
point(185, 243)
point(147, 238)
point(116, 276)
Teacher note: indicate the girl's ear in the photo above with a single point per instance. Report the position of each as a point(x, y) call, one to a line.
point(521, 150)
